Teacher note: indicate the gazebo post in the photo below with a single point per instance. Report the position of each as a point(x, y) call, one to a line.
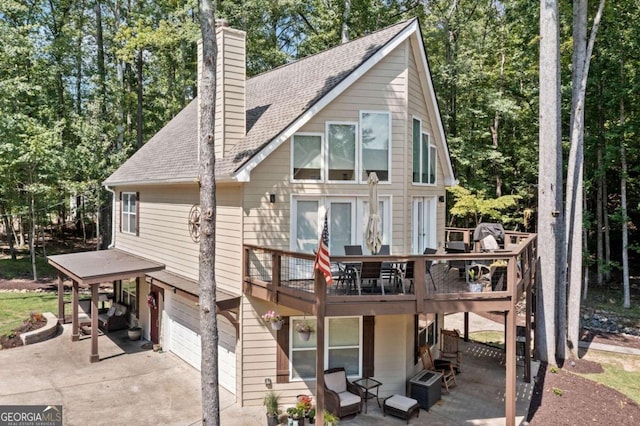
point(60, 299)
point(94, 323)
point(75, 336)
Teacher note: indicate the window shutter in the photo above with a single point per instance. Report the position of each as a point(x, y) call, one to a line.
point(282, 352)
point(138, 297)
point(120, 193)
point(368, 332)
point(416, 343)
point(137, 214)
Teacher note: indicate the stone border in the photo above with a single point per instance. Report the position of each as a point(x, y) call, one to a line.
point(42, 334)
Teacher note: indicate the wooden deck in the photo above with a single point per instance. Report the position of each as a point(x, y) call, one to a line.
point(287, 278)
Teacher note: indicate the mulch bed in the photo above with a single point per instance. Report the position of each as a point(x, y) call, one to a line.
point(564, 398)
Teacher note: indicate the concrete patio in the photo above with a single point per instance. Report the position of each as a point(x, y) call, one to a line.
point(134, 385)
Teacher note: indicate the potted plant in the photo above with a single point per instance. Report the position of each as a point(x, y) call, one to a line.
point(304, 405)
point(296, 416)
point(475, 286)
point(135, 332)
point(329, 418)
point(311, 415)
point(273, 318)
point(304, 330)
point(271, 402)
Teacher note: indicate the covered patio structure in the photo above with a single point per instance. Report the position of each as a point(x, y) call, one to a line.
point(91, 269)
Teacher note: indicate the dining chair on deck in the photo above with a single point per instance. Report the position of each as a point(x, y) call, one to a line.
point(352, 269)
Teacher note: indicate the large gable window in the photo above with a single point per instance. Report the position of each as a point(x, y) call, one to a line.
point(129, 213)
point(424, 156)
point(342, 151)
point(375, 131)
point(307, 156)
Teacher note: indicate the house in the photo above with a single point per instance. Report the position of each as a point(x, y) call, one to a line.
point(293, 145)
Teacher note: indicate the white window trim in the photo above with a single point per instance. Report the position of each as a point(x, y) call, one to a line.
point(388, 113)
point(326, 348)
point(128, 213)
point(356, 170)
point(323, 164)
point(432, 225)
point(431, 145)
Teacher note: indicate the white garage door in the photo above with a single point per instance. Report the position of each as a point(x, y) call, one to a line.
point(182, 337)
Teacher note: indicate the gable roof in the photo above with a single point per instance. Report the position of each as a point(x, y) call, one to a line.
point(278, 102)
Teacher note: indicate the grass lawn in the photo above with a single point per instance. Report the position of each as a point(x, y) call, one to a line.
point(621, 372)
point(16, 307)
point(21, 268)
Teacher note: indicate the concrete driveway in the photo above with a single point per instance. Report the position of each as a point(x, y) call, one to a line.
point(128, 385)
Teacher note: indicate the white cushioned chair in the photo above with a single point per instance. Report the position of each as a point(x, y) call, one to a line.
point(342, 397)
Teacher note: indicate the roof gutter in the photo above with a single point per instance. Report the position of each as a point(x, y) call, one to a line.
point(113, 217)
point(219, 178)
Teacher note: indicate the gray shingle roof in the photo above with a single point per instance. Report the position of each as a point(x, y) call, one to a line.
point(274, 100)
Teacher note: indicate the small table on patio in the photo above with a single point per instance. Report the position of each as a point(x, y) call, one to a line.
point(368, 384)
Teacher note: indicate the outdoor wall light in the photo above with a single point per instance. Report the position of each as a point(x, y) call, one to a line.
point(272, 198)
point(268, 383)
point(441, 198)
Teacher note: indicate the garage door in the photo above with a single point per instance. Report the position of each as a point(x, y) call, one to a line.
point(182, 337)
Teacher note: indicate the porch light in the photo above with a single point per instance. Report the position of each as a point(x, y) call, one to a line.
point(272, 198)
point(268, 383)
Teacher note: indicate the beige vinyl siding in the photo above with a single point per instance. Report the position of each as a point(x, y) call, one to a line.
point(164, 234)
point(393, 352)
point(259, 356)
point(230, 100)
point(383, 88)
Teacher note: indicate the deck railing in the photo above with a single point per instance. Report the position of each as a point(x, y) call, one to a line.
point(443, 276)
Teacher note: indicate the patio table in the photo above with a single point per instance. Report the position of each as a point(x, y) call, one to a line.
point(368, 384)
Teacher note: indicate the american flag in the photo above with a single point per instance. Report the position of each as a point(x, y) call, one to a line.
point(323, 261)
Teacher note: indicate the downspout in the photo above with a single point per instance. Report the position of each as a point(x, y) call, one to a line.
point(113, 217)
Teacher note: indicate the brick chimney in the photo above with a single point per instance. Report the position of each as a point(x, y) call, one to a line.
point(230, 120)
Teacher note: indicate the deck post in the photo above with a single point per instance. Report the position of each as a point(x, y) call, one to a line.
point(60, 298)
point(94, 324)
point(420, 284)
point(527, 337)
point(74, 316)
point(510, 380)
point(320, 295)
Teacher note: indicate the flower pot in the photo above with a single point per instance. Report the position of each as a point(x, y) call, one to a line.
point(272, 420)
point(277, 325)
point(475, 287)
point(135, 333)
point(304, 335)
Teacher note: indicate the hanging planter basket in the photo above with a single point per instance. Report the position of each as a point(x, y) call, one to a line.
point(304, 335)
point(276, 325)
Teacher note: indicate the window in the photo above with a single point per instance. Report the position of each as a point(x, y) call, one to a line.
point(424, 156)
point(344, 344)
point(307, 157)
point(129, 209)
point(375, 137)
point(343, 349)
point(303, 353)
point(342, 151)
point(426, 326)
point(129, 295)
point(347, 220)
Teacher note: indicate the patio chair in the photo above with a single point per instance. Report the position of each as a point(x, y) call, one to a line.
point(372, 272)
point(456, 247)
point(389, 269)
point(341, 397)
point(441, 366)
point(449, 348)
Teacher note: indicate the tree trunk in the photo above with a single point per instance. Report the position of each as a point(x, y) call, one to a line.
point(623, 204)
point(100, 59)
point(600, 201)
point(208, 309)
point(345, 21)
point(8, 227)
point(550, 222)
point(32, 236)
point(581, 60)
point(139, 91)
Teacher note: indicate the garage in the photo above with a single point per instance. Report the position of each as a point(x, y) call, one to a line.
point(182, 337)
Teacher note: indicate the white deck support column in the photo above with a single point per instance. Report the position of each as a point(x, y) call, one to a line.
point(94, 323)
point(74, 316)
point(60, 298)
